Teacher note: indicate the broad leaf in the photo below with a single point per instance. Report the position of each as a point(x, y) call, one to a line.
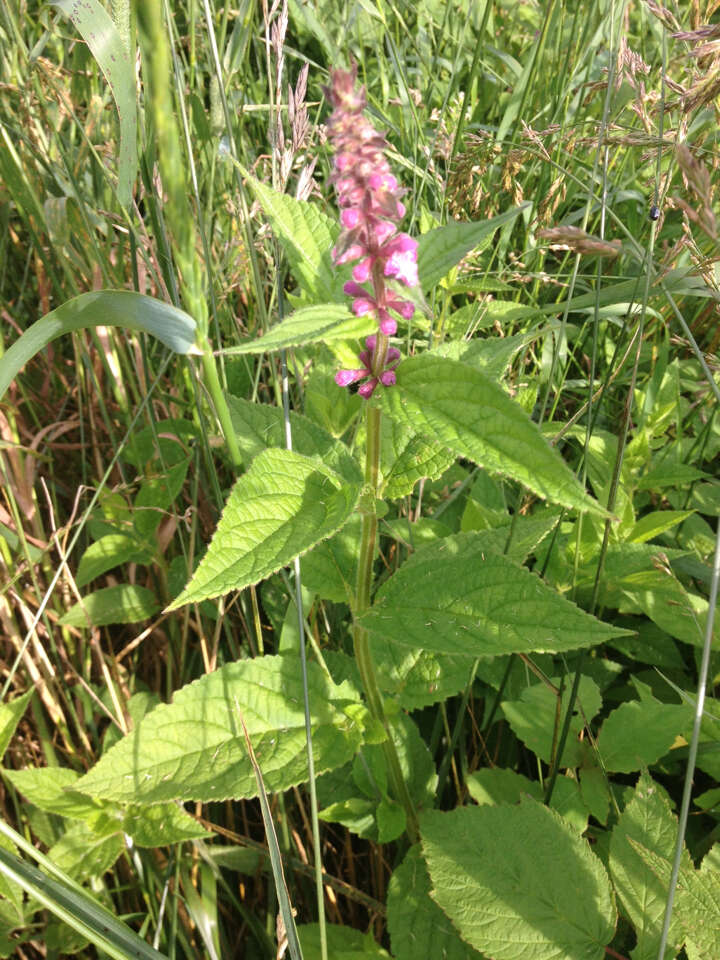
point(457, 406)
point(307, 236)
point(10, 716)
point(518, 882)
point(53, 789)
point(415, 459)
point(318, 324)
point(119, 308)
point(344, 943)
point(453, 597)
point(95, 26)
point(82, 853)
point(194, 748)
point(443, 248)
point(283, 506)
point(330, 569)
point(112, 550)
point(259, 426)
point(635, 735)
point(124, 603)
point(648, 820)
point(418, 928)
point(533, 718)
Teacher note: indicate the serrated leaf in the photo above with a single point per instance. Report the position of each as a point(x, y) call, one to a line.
point(647, 819)
point(119, 308)
point(283, 506)
point(194, 748)
point(124, 603)
point(453, 597)
point(533, 718)
point(109, 551)
point(81, 853)
point(52, 789)
point(491, 355)
point(441, 249)
point(416, 459)
point(635, 735)
point(161, 825)
point(457, 406)
point(97, 29)
point(307, 236)
point(517, 881)
point(415, 677)
point(259, 426)
point(418, 928)
point(329, 570)
point(318, 324)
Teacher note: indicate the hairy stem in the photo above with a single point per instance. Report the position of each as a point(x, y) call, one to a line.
point(361, 640)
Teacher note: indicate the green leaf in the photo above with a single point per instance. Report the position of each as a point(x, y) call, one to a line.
point(124, 603)
point(330, 569)
point(259, 426)
point(635, 735)
point(415, 458)
point(518, 882)
point(344, 943)
point(647, 819)
point(10, 716)
point(52, 789)
point(82, 854)
point(458, 407)
point(307, 236)
point(533, 717)
point(491, 355)
point(194, 748)
point(657, 522)
point(161, 825)
point(418, 928)
point(322, 323)
point(453, 597)
point(283, 506)
point(493, 785)
point(112, 550)
point(119, 308)
point(441, 249)
point(416, 677)
point(97, 29)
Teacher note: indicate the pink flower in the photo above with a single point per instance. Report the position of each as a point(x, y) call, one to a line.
point(370, 211)
point(343, 378)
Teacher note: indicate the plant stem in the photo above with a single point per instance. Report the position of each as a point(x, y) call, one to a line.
point(361, 639)
point(212, 383)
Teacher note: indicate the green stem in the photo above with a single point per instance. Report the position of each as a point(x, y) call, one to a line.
point(212, 383)
point(361, 639)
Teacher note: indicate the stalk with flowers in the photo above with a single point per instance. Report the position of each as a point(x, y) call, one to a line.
point(369, 199)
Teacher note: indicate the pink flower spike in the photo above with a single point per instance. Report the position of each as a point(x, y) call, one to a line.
point(361, 306)
point(343, 378)
point(371, 342)
point(366, 389)
point(361, 271)
point(387, 325)
point(387, 379)
point(384, 230)
point(353, 289)
point(352, 253)
point(350, 218)
point(393, 354)
point(403, 307)
point(402, 262)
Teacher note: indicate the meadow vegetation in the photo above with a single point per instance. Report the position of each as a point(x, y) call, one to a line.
point(484, 581)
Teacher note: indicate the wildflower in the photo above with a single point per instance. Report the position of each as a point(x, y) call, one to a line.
point(386, 376)
point(371, 209)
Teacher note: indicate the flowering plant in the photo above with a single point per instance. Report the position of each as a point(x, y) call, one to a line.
point(371, 209)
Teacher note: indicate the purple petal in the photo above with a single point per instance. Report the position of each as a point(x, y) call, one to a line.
point(343, 378)
point(387, 379)
point(366, 389)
